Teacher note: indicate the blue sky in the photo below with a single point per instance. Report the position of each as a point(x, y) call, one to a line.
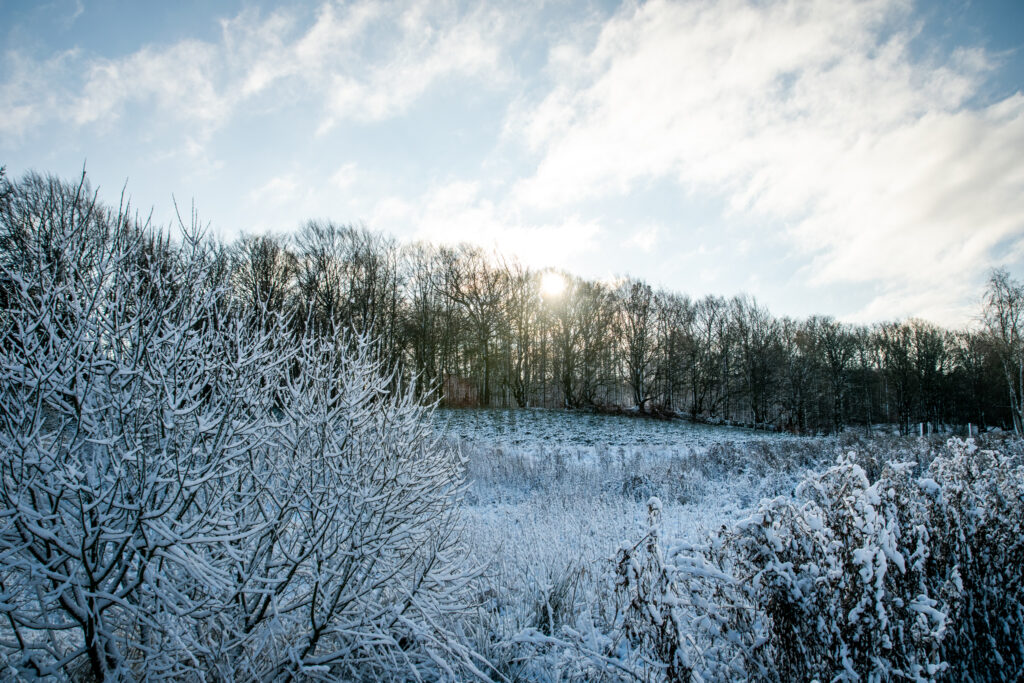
point(860, 159)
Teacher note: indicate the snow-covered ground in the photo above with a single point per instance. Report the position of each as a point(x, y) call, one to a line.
point(588, 434)
point(524, 466)
point(552, 495)
point(541, 457)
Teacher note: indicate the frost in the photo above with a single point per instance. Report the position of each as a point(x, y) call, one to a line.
point(852, 585)
point(190, 490)
point(929, 486)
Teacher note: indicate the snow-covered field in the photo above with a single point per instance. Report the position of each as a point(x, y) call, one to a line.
point(775, 557)
point(552, 496)
point(588, 434)
point(566, 488)
point(546, 459)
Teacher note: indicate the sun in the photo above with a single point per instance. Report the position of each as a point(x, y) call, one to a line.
point(552, 284)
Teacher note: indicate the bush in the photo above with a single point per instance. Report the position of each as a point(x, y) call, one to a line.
point(189, 490)
point(651, 618)
point(841, 575)
point(909, 576)
point(976, 514)
point(683, 617)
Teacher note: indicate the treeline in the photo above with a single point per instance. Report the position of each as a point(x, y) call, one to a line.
point(480, 330)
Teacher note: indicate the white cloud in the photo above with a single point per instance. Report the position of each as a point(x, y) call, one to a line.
point(32, 92)
point(812, 115)
point(181, 80)
point(277, 191)
point(359, 61)
point(643, 239)
point(345, 176)
point(412, 48)
point(367, 61)
point(459, 212)
point(77, 9)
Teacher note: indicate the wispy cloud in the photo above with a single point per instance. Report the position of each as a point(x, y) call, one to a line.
point(643, 239)
point(77, 9)
point(356, 61)
point(345, 176)
point(815, 116)
point(32, 92)
point(181, 80)
point(278, 190)
point(376, 62)
point(461, 212)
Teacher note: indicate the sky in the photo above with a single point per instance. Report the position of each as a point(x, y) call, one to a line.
point(858, 159)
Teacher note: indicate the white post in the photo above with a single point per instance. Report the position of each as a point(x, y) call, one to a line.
point(922, 429)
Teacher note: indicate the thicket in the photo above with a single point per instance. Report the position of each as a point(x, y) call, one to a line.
point(195, 489)
point(913, 575)
point(901, 560)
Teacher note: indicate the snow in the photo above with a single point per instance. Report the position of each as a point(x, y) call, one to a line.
point(598, 471)
point(585, 436)
point(657, 536)
point(552, 496)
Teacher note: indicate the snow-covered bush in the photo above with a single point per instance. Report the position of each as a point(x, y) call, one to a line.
point(359, 570)
point(841, 574)
point(903, 577)
point(906, 576)
point(683, 617)
point(187, 491)
point(975, 511)
point(651, 616)
point(915, 575)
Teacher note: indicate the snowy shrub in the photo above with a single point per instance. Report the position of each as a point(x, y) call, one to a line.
point(682, 615)
point(638, 487)
point(189, 492)
point(547, 601)
point(913, 575)
point(651, 618)
point(904, 577)
point(841, 575)
point(359, 568)
point(975, 509)
point(557, 600)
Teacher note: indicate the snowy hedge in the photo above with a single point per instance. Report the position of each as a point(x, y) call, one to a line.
point(187, 491)
point(913, 576)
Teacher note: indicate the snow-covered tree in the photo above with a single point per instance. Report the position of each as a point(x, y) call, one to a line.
point(185, 489)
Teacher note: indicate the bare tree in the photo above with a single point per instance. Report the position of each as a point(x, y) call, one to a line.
point(972, 365)
point(1003, 316)
point(597, 322)
point(758, 346)
point(708, 353)
point(674, 325)
point(423, 315)
point(521, 324)
point(567, 316)
point(582, 319)
point(264, 273)
point(896, 344)
point(636, 314)
point(834, 346)
point(797, 375)
point(931, 360)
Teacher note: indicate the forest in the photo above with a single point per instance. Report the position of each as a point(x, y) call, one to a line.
point(479, 330)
